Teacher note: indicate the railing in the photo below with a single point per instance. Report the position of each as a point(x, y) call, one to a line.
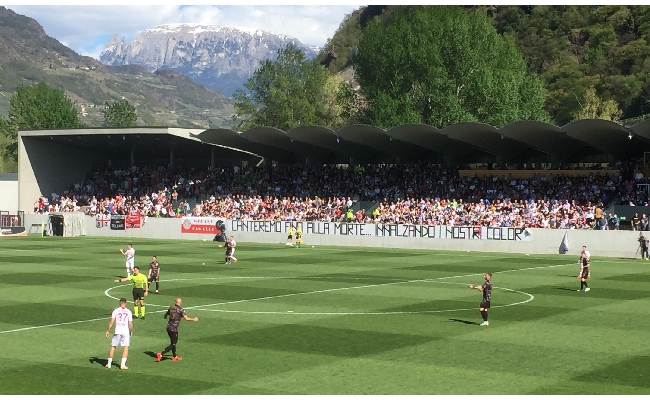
point(631, 121)
point(646, 186)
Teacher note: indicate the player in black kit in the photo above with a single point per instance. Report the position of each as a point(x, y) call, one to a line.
point(584, 269)
point(486, 288)
point(175, 314)
point(154, 272)
point(228, 251)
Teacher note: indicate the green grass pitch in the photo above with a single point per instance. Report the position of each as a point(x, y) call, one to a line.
point(322, 320)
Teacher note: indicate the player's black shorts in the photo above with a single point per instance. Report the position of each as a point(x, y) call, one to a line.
point(485, 304)
point(138, 294)
point(229, 252)
point(585, 272)
point(173, 336)
point(290, 237)
point(153, 278)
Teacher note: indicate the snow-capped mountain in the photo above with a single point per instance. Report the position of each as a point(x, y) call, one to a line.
point(219, 57)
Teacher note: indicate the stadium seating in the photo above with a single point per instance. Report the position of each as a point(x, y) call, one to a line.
point(405, 194)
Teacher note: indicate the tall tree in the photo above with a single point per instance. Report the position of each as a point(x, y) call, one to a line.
point(37, 106)
point(594, 107)
point(120, 114)
point(443, 65)
point(284, 93)
point(8, 146)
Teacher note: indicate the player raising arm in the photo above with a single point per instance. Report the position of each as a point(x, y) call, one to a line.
point(130, 258)
point(140, 289)
point(123, 332)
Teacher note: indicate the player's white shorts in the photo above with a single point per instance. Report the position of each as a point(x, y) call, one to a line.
point(130, 263)
point(232, 252)
point(122, 340)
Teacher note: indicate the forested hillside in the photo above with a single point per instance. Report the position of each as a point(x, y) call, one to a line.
point(571, 48)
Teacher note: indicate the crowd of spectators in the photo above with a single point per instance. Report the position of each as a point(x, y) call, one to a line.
point(406, 194)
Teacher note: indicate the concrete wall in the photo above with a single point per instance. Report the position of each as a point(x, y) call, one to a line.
point(9, 193)
point(542, 241)
point(45, 167)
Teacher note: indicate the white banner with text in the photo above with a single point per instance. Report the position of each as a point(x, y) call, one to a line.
point(213, 225)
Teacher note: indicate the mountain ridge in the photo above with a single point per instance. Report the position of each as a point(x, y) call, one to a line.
point(220, 57)
point(28, 55)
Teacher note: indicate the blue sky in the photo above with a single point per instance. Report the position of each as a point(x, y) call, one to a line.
point(87, 28)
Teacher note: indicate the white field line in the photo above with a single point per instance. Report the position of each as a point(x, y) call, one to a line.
point(373, 285)
point(271, 297)
point(529, 299)
point(323, 290)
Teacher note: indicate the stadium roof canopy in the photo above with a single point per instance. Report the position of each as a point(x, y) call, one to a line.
point(467, 142)
point(521, 141)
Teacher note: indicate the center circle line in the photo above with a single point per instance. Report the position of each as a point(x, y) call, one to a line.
point(431, 280)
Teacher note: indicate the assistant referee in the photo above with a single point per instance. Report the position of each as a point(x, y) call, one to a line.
point(140, 289)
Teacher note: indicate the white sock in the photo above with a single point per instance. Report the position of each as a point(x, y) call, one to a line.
point(123, 362)
point(128, 272)
point(110, 361)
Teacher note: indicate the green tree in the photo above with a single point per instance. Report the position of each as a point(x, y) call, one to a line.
point(594, 107)
point(443, 65)
point(576, 47)
point(8, 146)
point(120, 114)
point(37, 106)
point(350, 104)
point(284, 93)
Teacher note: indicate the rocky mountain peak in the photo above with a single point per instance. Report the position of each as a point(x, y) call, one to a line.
point(219, 57)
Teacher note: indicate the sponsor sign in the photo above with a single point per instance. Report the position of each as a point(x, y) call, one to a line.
point(118, 222)
point(202, 225)
point(13, 231)
point(133, 221)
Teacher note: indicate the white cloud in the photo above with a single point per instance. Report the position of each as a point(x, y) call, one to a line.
point(86, 29)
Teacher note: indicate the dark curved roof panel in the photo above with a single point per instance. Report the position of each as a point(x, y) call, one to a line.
point(431, 138)
point(281, 140)
point(377, 138)
point(487, 138)
point(642, 129)
point(229, 138)
point(544, 137)
point(606, 136)
point(327, 139)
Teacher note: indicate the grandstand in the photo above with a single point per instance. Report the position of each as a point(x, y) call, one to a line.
point(52, 160)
